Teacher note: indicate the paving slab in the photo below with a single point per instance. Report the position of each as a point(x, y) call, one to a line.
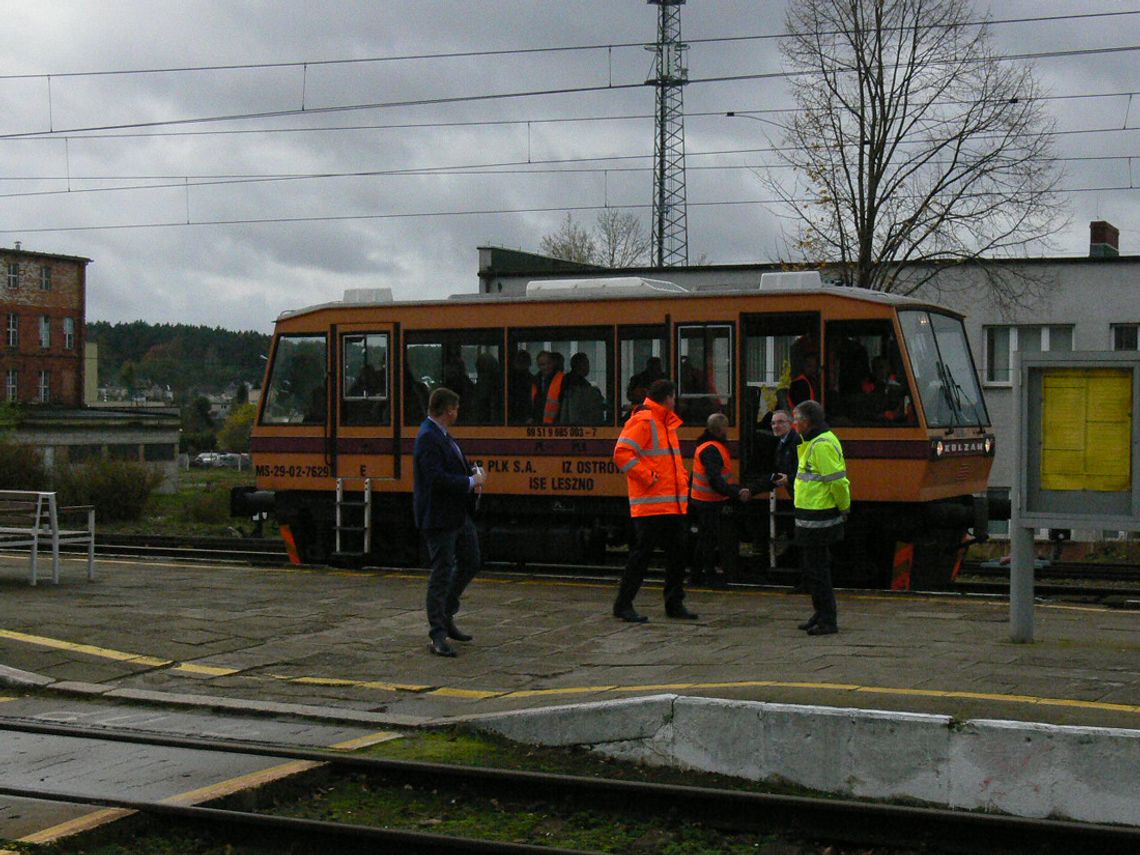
point(358, 640)
point(93, 767)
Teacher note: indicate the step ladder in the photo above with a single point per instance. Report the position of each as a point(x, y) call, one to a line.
point(353, 518)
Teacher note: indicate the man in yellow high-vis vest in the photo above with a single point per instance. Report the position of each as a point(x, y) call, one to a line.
point(822, 500)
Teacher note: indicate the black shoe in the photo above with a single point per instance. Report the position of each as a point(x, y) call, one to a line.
point(440, 647)
point(630, 616)
point(823, 629)
point(809, 623)
point(456, 634)
point(680, 613)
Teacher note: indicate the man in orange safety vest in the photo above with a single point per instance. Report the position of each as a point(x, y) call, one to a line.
point(649, 454)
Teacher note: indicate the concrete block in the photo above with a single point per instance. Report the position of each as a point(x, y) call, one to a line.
point(582, 724)
point(1090, 774)
point(852, 752)
point(76, 687)
point(15, 677)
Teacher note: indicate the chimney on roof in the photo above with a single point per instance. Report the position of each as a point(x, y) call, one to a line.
point(17, 246)
point(1104, 240)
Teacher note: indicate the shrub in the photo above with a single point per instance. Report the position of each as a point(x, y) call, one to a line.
point(211, 505)
point(117, 489)
point(21, 467)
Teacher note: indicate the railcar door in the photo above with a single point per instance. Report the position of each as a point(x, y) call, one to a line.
point(781, 364)
point(365, 439)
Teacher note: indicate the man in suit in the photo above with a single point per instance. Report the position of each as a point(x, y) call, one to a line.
point(443, 486)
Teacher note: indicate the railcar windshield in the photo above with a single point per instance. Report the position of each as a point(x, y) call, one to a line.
point(944, 372)
point(296, 393)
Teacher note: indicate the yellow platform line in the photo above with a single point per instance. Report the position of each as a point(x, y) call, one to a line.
point(484, 694)
point(89, 649)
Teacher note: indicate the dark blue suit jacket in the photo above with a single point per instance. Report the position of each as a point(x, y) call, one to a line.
point(441, 486)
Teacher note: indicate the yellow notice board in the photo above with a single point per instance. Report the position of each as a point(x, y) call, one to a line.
point(1087, 431)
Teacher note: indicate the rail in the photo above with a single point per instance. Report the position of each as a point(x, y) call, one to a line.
point(30, 518)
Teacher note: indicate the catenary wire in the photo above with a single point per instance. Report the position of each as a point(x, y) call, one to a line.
point(457, 99)
point(519, 51)
point(472, 213)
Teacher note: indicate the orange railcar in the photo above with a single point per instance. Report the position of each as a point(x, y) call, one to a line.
point(347, 384)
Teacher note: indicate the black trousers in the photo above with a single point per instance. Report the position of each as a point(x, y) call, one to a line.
point(668, 532)
point(454, 555)
point(707, 517)
point(816, 563)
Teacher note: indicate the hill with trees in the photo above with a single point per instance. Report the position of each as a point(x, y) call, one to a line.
point(189, 359)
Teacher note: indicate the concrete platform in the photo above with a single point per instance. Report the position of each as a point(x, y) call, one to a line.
point(354, 646)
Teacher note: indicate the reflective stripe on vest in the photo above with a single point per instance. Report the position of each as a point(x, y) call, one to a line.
point(702, 489)
point(662, 458)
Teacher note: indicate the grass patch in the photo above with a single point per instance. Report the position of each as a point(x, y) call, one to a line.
point(199, 508)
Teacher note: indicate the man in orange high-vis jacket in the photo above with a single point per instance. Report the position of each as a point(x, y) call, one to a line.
point(546, 394)
point(714, 483)
point(649, 454)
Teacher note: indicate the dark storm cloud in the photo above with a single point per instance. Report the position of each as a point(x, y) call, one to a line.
point(243, 275)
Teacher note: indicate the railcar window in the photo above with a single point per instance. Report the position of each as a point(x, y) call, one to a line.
point(705, 372)
point(365, 384)
point(561, 376)
point(296, 391)
point(867, 383)
point(943, 368)
point(644, 355)
point(780, 353)
point(468, 362)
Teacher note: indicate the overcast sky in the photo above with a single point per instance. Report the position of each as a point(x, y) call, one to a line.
point(122, 196)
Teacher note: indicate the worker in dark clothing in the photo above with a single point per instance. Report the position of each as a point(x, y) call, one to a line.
point(784, 476)
point(713, 484)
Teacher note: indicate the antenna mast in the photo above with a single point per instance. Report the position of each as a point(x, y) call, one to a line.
point(670, 231)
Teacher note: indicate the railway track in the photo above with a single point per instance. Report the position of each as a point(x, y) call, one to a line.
point(1112, 584)
point(831, 820)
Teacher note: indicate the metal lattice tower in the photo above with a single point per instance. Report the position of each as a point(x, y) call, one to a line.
point(670, 230)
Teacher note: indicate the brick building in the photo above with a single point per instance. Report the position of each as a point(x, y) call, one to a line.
point(42, 314)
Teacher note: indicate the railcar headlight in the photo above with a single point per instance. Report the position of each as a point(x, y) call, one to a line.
point(989, 444)
point(939, 448)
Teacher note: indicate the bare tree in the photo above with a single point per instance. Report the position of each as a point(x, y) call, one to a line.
point(919, 147)
point(622, 240)
point(617, 240)
point(570, 243)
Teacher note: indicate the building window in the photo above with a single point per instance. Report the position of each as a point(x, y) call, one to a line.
point(156, 452)
point(1002, 342)
point(1124, 337)
point(13, 330)
point(69, 333)
point(45, 386)
point(45, 331)
point(123, 451)
point(45, 278)
point(12, 385)
point(13, 276)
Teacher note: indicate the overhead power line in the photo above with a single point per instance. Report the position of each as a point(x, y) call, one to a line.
point(469, 54)
point(552, 166)
point(478, 123)
point(428, 214)
point(460, 99)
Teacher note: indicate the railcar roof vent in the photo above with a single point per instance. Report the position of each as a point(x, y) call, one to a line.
point(367, 295)
point(801, 280)
point(611, 286)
